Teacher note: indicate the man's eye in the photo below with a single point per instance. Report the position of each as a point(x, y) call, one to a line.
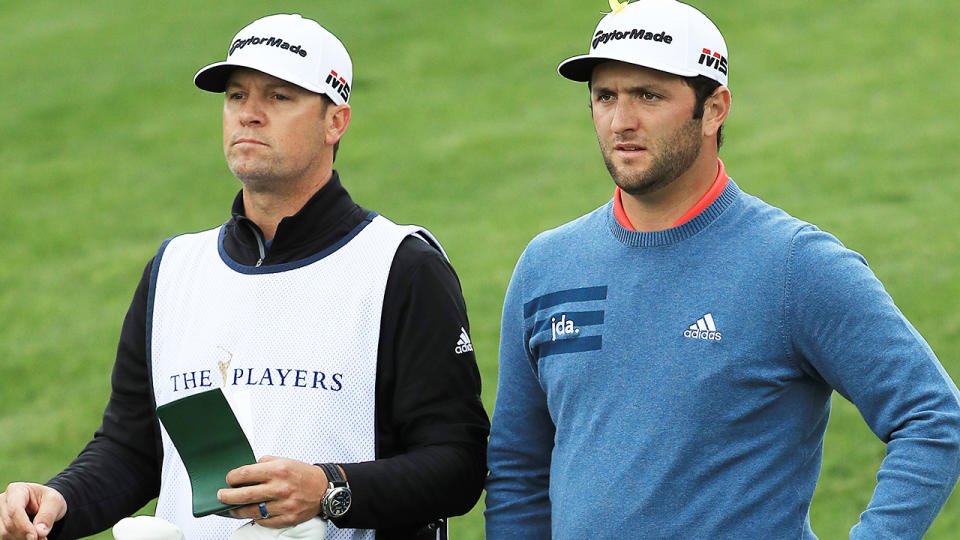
point(648, 96)
point(280, 97)
point(604, 98)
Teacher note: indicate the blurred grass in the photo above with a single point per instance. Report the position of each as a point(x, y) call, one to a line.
point(844, 114)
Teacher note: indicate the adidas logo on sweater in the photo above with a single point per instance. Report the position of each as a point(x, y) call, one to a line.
point(704, 328)
point(463, 344)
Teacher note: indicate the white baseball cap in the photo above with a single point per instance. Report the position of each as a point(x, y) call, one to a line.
point(665, 35)
point(289, 47)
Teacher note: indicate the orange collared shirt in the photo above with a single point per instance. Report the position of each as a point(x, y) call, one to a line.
point(711, 195)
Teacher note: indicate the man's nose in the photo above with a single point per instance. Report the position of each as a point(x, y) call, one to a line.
point(252, 113)
point(624, 117)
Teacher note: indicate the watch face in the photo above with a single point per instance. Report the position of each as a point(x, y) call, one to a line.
point(338, 502)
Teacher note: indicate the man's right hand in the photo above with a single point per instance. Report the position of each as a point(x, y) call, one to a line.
point(20, 502)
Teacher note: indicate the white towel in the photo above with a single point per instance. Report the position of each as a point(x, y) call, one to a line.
point(313, 529)
point(146, 528)
point(154, 528)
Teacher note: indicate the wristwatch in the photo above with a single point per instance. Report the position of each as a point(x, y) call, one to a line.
point(336, 501)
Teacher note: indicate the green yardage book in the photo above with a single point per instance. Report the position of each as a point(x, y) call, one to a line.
point(211, 444)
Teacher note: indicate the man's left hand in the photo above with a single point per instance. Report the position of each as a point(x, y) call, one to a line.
point(291, 490)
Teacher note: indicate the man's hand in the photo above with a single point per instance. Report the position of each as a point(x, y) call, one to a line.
point(292, 491)
point(20, 502)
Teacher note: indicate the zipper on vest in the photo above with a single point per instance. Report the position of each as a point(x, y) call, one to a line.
point(258, 236)
point(261, 247)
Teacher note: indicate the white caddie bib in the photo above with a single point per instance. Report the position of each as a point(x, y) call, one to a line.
point(293, 346)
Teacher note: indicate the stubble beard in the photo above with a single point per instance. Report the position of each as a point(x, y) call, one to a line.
point(265, 174)
point(677, 153)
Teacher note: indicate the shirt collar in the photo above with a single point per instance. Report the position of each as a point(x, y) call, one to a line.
point(321, 212)
point(711, 195)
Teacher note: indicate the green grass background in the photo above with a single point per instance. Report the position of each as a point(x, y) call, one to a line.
point(844, 114)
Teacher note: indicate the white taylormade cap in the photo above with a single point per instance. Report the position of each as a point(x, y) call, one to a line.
point(291, 48)
point(665, 35)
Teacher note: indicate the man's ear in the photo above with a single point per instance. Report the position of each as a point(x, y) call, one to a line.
point(338, 118)
point(715, 111)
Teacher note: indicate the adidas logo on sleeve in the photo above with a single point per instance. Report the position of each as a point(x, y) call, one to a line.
point(704, 328)
point(463, 344)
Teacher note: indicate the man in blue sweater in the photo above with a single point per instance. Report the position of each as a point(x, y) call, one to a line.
point(667, 360)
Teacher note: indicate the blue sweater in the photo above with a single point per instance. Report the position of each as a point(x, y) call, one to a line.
point(676, 384)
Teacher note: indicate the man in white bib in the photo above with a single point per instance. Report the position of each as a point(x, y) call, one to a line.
point(343, 335)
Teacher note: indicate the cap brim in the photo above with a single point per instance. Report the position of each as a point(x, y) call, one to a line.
point(213, 78)
point(580, 68)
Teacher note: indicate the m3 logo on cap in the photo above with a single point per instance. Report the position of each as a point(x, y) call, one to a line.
point(339, 84)
point(714, 59)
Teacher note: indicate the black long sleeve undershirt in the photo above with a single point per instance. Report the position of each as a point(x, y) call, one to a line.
point(431, 427)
